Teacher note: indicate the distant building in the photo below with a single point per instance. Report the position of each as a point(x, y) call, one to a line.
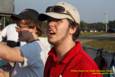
point(6, 9)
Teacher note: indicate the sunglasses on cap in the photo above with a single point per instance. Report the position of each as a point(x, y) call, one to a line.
point(58, 9)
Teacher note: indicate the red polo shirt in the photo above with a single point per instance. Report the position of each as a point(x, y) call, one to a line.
point(76, 63)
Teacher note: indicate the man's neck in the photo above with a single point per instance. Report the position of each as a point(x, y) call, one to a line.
point(32, 39)
point(63, 48)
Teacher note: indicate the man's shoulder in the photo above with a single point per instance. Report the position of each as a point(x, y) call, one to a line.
point(31, 45)
point(85, 61)
point(11, 25)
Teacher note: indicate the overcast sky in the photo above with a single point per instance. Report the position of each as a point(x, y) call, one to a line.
point(90, 10)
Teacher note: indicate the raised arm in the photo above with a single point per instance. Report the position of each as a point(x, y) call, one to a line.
point(10, 54)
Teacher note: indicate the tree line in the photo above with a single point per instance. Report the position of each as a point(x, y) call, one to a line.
point(99, 26)
point(84, 26)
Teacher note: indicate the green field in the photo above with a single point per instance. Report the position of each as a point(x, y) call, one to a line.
point(108, 45)
point(92, 33)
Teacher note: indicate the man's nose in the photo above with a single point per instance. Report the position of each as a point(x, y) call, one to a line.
point(52, 24)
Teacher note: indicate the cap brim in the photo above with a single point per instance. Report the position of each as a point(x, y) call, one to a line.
point(46, 16)
point(14, 16)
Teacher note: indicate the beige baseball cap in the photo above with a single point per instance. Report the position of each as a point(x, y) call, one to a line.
point(60, 11)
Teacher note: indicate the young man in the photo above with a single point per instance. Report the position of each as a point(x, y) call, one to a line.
point(66, 58)
point(28, 57)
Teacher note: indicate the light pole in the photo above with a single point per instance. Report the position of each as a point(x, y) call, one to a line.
point(106, 22)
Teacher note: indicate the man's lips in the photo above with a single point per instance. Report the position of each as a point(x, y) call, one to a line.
point(51, 32)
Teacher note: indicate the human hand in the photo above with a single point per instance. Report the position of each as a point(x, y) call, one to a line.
point(2, 73)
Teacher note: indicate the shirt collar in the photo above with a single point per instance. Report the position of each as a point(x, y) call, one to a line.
point(73, 52)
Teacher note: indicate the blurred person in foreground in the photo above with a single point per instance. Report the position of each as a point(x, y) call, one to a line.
point(29, 62)
point(10, 35)
point(67, 57)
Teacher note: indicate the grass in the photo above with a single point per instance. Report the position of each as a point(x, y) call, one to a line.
point(108, 45)
point(92, 33)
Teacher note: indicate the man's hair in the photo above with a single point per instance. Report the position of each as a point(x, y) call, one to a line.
point(38, 27)
point(77, 32)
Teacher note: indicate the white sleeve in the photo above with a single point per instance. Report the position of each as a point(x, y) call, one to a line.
point(24, 64)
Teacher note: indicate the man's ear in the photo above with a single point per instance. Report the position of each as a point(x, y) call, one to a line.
point(72, 30)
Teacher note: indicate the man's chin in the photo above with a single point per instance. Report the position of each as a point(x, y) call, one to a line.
point(51, 42)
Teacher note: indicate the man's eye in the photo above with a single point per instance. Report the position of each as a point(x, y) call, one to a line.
point(54, 20)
